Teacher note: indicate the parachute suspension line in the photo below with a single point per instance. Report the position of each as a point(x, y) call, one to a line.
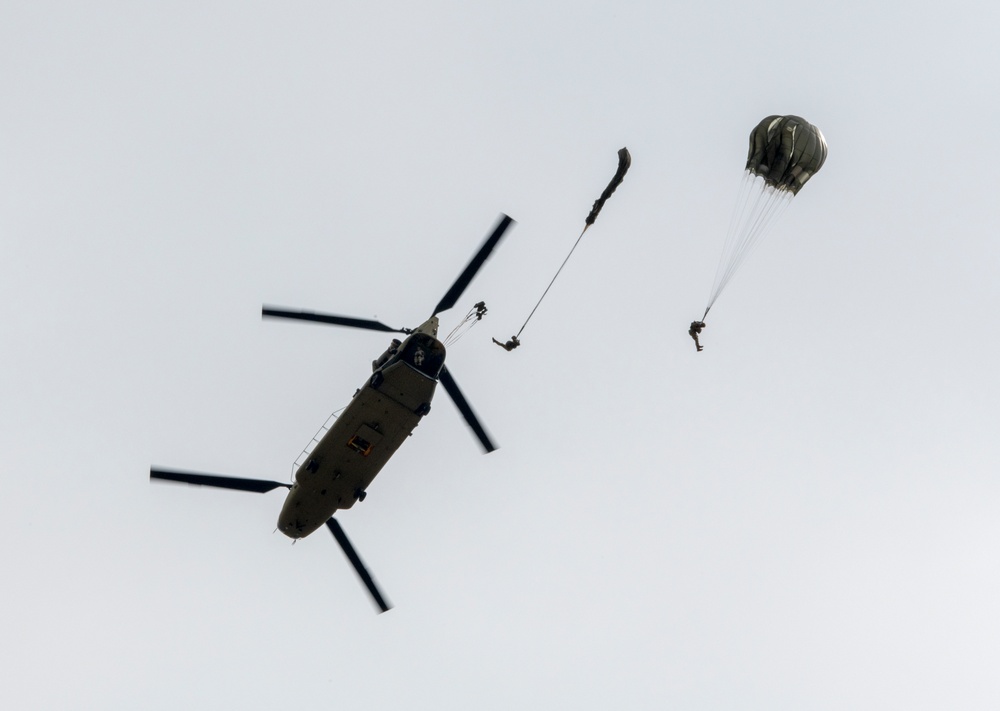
point(766, 209)
point(752, 228)
point(736, 221)
point(750, 221)
point(553, 280)
point(777, 201)
point(464, 326)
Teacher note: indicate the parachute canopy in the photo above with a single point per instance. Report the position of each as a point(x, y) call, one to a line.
point(786, 151)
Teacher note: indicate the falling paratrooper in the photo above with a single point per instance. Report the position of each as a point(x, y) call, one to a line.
point(785, 152)
point(624, 163)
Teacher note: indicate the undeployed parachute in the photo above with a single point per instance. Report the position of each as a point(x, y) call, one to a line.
point(785, 151)
point(624, 163)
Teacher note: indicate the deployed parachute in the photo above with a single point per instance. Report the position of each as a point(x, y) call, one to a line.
point(785, 151)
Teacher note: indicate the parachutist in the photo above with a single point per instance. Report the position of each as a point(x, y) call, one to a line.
point(509, 345)
point(480, 310)
point(694, 330)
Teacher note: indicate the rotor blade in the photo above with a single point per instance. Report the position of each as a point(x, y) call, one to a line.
point(359, 567)
point(223, 482)
point(455, 292)
point(331, 318)
point(463, 406)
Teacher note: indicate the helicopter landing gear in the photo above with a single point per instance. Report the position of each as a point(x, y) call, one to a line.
point(423, 409)
point(376, 380)
point(360, 495)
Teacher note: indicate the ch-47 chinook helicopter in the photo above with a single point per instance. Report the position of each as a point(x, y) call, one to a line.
point(379, 418)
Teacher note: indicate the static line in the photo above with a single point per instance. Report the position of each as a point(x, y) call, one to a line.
point(552, 282)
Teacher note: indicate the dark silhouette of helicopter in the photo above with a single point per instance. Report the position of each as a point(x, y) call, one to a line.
point(379, 418)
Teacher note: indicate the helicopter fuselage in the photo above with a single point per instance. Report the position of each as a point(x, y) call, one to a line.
point(381, 415)
point(379, 418)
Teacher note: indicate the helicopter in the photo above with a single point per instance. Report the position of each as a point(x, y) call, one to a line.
point(381, 415)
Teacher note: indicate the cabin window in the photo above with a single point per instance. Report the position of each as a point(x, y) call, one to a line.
point(359, 444)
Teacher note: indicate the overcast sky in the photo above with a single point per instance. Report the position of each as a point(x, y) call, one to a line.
point(803, 516)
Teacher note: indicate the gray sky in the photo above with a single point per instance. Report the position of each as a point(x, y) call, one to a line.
point(801, 516)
